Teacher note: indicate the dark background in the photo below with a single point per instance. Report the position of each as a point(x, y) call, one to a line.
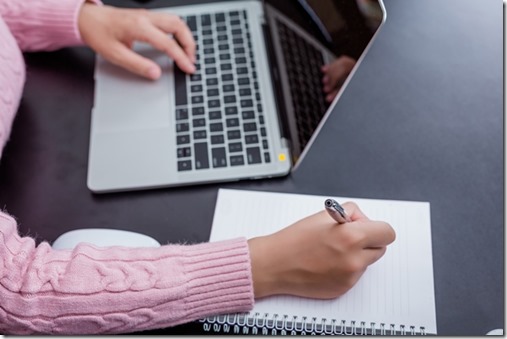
point(422, 119)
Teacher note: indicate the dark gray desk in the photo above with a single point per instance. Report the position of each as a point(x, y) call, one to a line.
point(421, 120)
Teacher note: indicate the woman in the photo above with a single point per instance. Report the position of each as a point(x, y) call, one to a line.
point(91, 290)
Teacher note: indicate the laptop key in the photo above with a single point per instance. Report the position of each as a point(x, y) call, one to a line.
point(197, 99)
point(193, 77)
point(232, 122)
point(225, 67)
point(180, 84)
point(181, 114)
point(184, 152)
point(234, 134)
point(212, 92)
point(216, 127)
point(228, 77)
point(229, 99)
point(246, 103)
point(208, 50)
point(182, 127)
point(218, 157)
point(235, 147)
point(209, 60)
point(211, 81)
point(213, 103)
point(228, 88)
point(196, 88)
point(184, 165)
point(249, 127)
point(205, 20)
point(237, 160)
point(200, 134)
point(198, 110)
point(264, 144)
point(253, 155)
point(239, 50)
point(213, 115)
point(201, 155)
point(217, 139)
point(242, 70)
point(245, 92)
point(230, 110)
point(220, 17)
point(191, 23)
point(183, 139)
point(198, 123)
point(251, 139)
point(248, 115)
point(211, 71)
point(243, 81)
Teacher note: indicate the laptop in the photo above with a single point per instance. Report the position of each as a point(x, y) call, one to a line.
point(251, 110)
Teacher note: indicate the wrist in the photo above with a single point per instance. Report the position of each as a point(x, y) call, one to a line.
point(263, 263)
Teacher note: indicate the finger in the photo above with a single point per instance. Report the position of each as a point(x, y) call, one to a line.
point(354, 211)
point(158, 39)
point(337, 76)
point(340, 69)
point(376, 233)
point(122, 56)
point(330, 96)
point(372, 255)
point(178, 28)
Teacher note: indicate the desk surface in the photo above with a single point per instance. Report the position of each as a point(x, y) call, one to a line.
point(422, 119)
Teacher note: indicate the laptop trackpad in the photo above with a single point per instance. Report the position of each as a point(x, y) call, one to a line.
point(125, 101)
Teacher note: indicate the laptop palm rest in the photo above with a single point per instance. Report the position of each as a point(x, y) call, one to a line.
point(130, 102)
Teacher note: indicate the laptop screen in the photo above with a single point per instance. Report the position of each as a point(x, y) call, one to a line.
point(343, 26)
point(343, 29)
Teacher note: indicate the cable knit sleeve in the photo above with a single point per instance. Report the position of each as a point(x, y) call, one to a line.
point(91, 290)
point(42, 24)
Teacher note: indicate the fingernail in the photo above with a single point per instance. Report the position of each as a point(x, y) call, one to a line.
point(153, 73)
point(191, 67)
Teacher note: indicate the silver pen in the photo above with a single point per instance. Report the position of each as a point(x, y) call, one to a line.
point(336, 211)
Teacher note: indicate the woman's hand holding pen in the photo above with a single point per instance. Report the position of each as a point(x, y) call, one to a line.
point(316, 257)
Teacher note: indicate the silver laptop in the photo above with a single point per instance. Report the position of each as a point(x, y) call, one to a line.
point(251, 110)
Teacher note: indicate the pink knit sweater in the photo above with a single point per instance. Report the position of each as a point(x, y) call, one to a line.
point(90, 289)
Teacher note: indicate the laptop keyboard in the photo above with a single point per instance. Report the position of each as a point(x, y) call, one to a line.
point(303, 62)
point(219, 115)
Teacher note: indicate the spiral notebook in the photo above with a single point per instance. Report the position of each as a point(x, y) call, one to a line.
point(395, 296)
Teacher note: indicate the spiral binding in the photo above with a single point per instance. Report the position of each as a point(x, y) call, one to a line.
point(253, 324)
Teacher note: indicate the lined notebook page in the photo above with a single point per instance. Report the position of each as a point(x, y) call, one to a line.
point(398, 289)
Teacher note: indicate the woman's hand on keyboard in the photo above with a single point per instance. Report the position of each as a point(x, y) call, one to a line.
point(112, 31)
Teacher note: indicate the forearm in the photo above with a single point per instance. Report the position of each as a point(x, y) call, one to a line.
point(117, 290)
point(42, 24)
